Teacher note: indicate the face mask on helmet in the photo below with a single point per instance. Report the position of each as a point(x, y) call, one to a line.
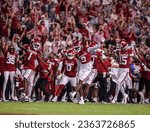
point(70, 54)
point(35, 44)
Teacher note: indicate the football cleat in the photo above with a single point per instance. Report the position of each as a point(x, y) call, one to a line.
point(125, 99)
point(55, 99)
point(81, 102)
point(114, 101)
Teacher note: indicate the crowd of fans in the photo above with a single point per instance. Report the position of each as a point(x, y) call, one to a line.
point(59, 23)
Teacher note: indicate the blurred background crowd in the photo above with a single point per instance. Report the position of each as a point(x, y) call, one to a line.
point(59, 22)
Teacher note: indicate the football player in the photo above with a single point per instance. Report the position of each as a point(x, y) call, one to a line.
point(29, 65)
point(85, 67)
point(125, 55)
point(68, 68)
point(45, 74)
point(53, 62)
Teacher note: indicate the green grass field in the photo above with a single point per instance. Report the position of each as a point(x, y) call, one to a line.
point(46, 108)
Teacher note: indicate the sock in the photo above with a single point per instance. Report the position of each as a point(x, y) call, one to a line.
point(74, 93)
point(81, 97)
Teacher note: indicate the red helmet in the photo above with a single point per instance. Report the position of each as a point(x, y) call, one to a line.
point(35, 43)
point(123, 44)
point(70, 54)
point(78, 46)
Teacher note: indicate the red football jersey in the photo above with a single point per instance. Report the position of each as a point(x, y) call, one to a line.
point(53, 64)
point(43, 69)
point(70, 67)
point(101, 66)
point(30, 58)
point(125, 58)
point(10, 61)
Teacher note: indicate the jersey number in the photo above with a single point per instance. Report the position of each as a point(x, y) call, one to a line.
point(68, 67)
point(123, 60)
point(83, 59)
point(29, 57)
point(10, 60)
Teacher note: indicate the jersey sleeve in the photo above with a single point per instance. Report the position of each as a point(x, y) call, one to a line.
point(92, 49)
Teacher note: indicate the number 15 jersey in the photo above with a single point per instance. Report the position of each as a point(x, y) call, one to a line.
point(125, 58)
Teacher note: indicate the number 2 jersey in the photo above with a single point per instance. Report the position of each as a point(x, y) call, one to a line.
point(85, 59)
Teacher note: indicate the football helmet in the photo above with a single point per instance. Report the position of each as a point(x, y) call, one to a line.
point(35, 44)
point(70, 54)
point(123, 44)
point(78, 46)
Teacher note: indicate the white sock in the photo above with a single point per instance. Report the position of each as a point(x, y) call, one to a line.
point(64, 97)
point(81, 97)
point(74, 93)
